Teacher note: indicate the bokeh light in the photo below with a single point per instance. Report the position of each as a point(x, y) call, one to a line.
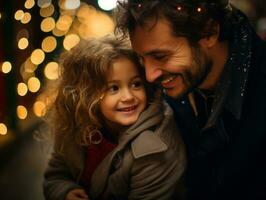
point(19, 14)
point(64, 22)
point(47, 24)
point(6, 67)
point(23, 43)
point(96, 25)
point(26, 18)
point(37, 56)
point(44, 3)
point(39, 108)
point(51, 71)
point(34, 84)
point(22, 89)
point(107, 4)
point(29, 4)
point(3, 129)
point(70, 41)
point(22, 112)
point(48, 11)
point(69, 4)
point(49, 44)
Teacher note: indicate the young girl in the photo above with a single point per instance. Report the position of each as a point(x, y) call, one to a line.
point(114, 139)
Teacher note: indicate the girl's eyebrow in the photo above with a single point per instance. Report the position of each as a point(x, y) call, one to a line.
point(132, 78)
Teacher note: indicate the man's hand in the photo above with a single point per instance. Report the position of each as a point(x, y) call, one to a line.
point(77, 194)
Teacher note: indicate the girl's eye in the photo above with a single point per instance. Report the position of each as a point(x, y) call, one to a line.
point(112, 88)
point(137, 84)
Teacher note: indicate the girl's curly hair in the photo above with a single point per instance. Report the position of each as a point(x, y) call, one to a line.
point(75, 113)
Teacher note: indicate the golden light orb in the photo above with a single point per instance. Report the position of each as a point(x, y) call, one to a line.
point(48, 11)
point(34, 84)
point(64, 22)
point(70, 41)
point(23, 43)
point(26, 18)
point(51, 70)
point(47, 24)
point(22, 112)
point(22, 89)
point(44, 3)
point(29, 67)
point(19, 14)
point(69, 4)
point(29, 4)
point(6, 67)
point(39, 108)
point(49, 44)
point(3, 129)
point(37, 56)
point(96, 25)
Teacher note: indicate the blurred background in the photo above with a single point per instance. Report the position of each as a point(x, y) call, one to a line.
point(32, 34)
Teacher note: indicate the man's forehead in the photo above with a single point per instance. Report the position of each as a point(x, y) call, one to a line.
point(151, 37)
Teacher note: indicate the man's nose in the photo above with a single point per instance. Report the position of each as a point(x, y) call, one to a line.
point(152, 72)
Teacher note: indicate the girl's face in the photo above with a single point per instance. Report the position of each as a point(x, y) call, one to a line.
point(124, 98)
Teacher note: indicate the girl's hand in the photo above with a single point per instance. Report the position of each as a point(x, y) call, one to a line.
point(77, 194)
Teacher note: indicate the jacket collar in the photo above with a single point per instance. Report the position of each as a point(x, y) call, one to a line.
point(239, 62)
point(149, 118)
point(231, 88)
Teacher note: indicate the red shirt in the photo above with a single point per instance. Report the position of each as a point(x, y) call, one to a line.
point(95, 154)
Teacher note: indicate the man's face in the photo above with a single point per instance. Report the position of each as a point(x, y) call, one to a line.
point(170, 61)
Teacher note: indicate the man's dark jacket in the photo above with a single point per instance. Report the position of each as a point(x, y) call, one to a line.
point(227, 159)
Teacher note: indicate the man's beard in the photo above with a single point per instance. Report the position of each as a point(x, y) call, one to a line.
point(202, 65)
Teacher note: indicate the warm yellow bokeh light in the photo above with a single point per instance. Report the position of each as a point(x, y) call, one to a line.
point(3, 129)
point(22, 112)
point(37, 56)
point(26, 18)
point(96, 25)
point(19, 15)
point(29, 4)
point(64, 22)
point(34, 84)
point(29, 67)
point(84, 12)
point(47, 24)
point(39, 108)
point(58, 33)
point(51, 71)
point(6, 67)
point(70, 41)
point(0, 15)
point(23, 43)
point(69, 4)
point(44, 3)
point(49, 44)
point(48, 11)
point(22, 89)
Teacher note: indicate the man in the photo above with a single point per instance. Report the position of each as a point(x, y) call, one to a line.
point(212, 68)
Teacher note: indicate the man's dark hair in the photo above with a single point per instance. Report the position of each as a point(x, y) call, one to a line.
point(193, 19)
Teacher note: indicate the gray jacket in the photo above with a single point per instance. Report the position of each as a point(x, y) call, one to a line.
point(148, 162)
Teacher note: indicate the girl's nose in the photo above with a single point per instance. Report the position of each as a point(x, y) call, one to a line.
point(126, 95)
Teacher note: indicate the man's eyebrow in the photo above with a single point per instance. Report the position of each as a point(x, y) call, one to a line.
point(156, 51)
